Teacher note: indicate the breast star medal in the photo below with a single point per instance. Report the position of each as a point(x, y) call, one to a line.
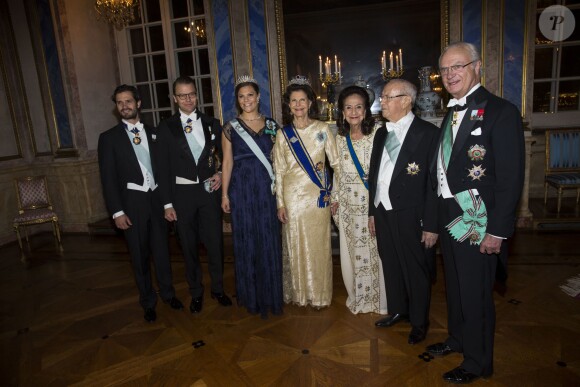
point(210, 158)
point(476, 152)
point(413, 169)
point(476, 173)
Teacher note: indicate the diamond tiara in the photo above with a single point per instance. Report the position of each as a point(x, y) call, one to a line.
point(299, 80)
point(245, 79)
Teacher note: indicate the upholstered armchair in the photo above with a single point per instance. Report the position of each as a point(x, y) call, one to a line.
point(34, 208)
point(562, 162)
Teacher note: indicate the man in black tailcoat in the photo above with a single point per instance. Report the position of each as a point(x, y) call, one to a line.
point(403, 208)
point(190, 143)
point(128, 165)
point(478, 171)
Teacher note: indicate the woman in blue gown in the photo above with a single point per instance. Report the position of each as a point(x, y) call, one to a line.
point(248, 188)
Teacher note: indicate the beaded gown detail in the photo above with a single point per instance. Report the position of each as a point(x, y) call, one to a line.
point(361, 266)
point(255, 226)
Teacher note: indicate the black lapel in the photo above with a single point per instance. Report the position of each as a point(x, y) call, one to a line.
point(478, 101)
point(174, 124)
point(207, 132)
point(127, 146)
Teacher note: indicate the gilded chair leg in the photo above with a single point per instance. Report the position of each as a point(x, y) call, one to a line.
point(545, 193)
point(22, 256)
point(26, 236)
point(559, 199)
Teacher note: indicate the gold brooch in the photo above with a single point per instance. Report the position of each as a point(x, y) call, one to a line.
point(413, 169)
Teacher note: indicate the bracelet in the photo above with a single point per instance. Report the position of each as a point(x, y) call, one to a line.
point(225, 197)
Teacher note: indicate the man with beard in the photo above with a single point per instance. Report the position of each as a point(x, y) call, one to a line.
point(127, 161)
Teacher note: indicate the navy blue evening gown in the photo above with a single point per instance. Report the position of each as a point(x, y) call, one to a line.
point(255, 226)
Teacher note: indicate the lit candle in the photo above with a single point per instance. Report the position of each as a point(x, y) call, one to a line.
point(401, 57)
point(397, 62)
point(320, 64)
point(391, 61)
point(335, 64)
point(339, 71)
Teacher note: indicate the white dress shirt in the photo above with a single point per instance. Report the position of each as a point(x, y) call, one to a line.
point(443, 186)
point(148, 179)
point(400, 128)
point(197, 128)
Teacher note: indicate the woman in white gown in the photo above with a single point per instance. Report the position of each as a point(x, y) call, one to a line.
point(359, 258)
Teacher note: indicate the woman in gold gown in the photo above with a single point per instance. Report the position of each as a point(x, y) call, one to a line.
point(303, 197)
point(359, 258)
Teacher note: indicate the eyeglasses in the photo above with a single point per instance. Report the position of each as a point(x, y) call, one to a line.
point(390, 98)
point(183, 97)
point(454, 68)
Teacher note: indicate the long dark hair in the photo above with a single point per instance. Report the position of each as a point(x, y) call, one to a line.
point(310, 94)
point(368, 123)
point(237, 89)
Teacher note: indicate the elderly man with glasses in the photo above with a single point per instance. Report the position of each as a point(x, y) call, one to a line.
point(403, 208)
point(478, 174)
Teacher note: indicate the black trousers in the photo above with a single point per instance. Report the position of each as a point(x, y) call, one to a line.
point(406, 263)
point(469, 279)
point(148, 236)
point(199, 219)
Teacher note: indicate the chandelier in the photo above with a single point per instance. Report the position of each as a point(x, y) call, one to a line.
point(117, 12)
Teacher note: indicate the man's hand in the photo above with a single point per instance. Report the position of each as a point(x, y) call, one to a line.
point(170, 214)
point(490, 245)
point(429, 239)
point(123, 222)
point(372, 226)
point(282, 215)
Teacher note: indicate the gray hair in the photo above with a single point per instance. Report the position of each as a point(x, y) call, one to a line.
point(405, 87)
point(469, 48)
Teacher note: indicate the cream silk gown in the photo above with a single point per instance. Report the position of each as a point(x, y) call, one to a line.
point(306, 250)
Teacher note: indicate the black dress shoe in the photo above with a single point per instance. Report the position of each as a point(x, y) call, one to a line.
point(459, 376)
point(222, 298)
point(439, 349)
point(150, 315)
point(391, 320)
point(174, 303)
point(196, 305)
point(417, 335)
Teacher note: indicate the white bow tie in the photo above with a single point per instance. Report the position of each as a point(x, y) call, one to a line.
point(461, 101)
point(393, 126)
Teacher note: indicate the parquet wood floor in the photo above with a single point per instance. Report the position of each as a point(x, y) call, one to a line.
point(74, 320)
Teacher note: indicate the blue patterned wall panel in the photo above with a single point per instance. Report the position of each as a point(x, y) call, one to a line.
point(224, 58)
point(54, 74)
point(513, 51)
point(259, 52)
point(471, 26)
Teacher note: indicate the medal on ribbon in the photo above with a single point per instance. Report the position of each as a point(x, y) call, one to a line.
point(476, 152)
point(136, 139)
point(476, 115)
point(471, 225)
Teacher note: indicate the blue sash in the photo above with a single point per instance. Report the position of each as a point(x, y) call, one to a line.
point(303, 158)
point(363, 176)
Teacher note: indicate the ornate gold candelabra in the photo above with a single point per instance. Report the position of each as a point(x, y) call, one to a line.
point(329, 80)
point(395, 69)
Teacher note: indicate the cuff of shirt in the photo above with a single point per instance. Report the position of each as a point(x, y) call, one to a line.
point(495, 236)
point(168, 205)
point(117, 214)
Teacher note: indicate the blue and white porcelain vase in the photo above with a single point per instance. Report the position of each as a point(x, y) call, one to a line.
point(427, 100)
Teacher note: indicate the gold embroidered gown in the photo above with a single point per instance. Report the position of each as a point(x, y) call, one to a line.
point(306, 250)
point(361, 266)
